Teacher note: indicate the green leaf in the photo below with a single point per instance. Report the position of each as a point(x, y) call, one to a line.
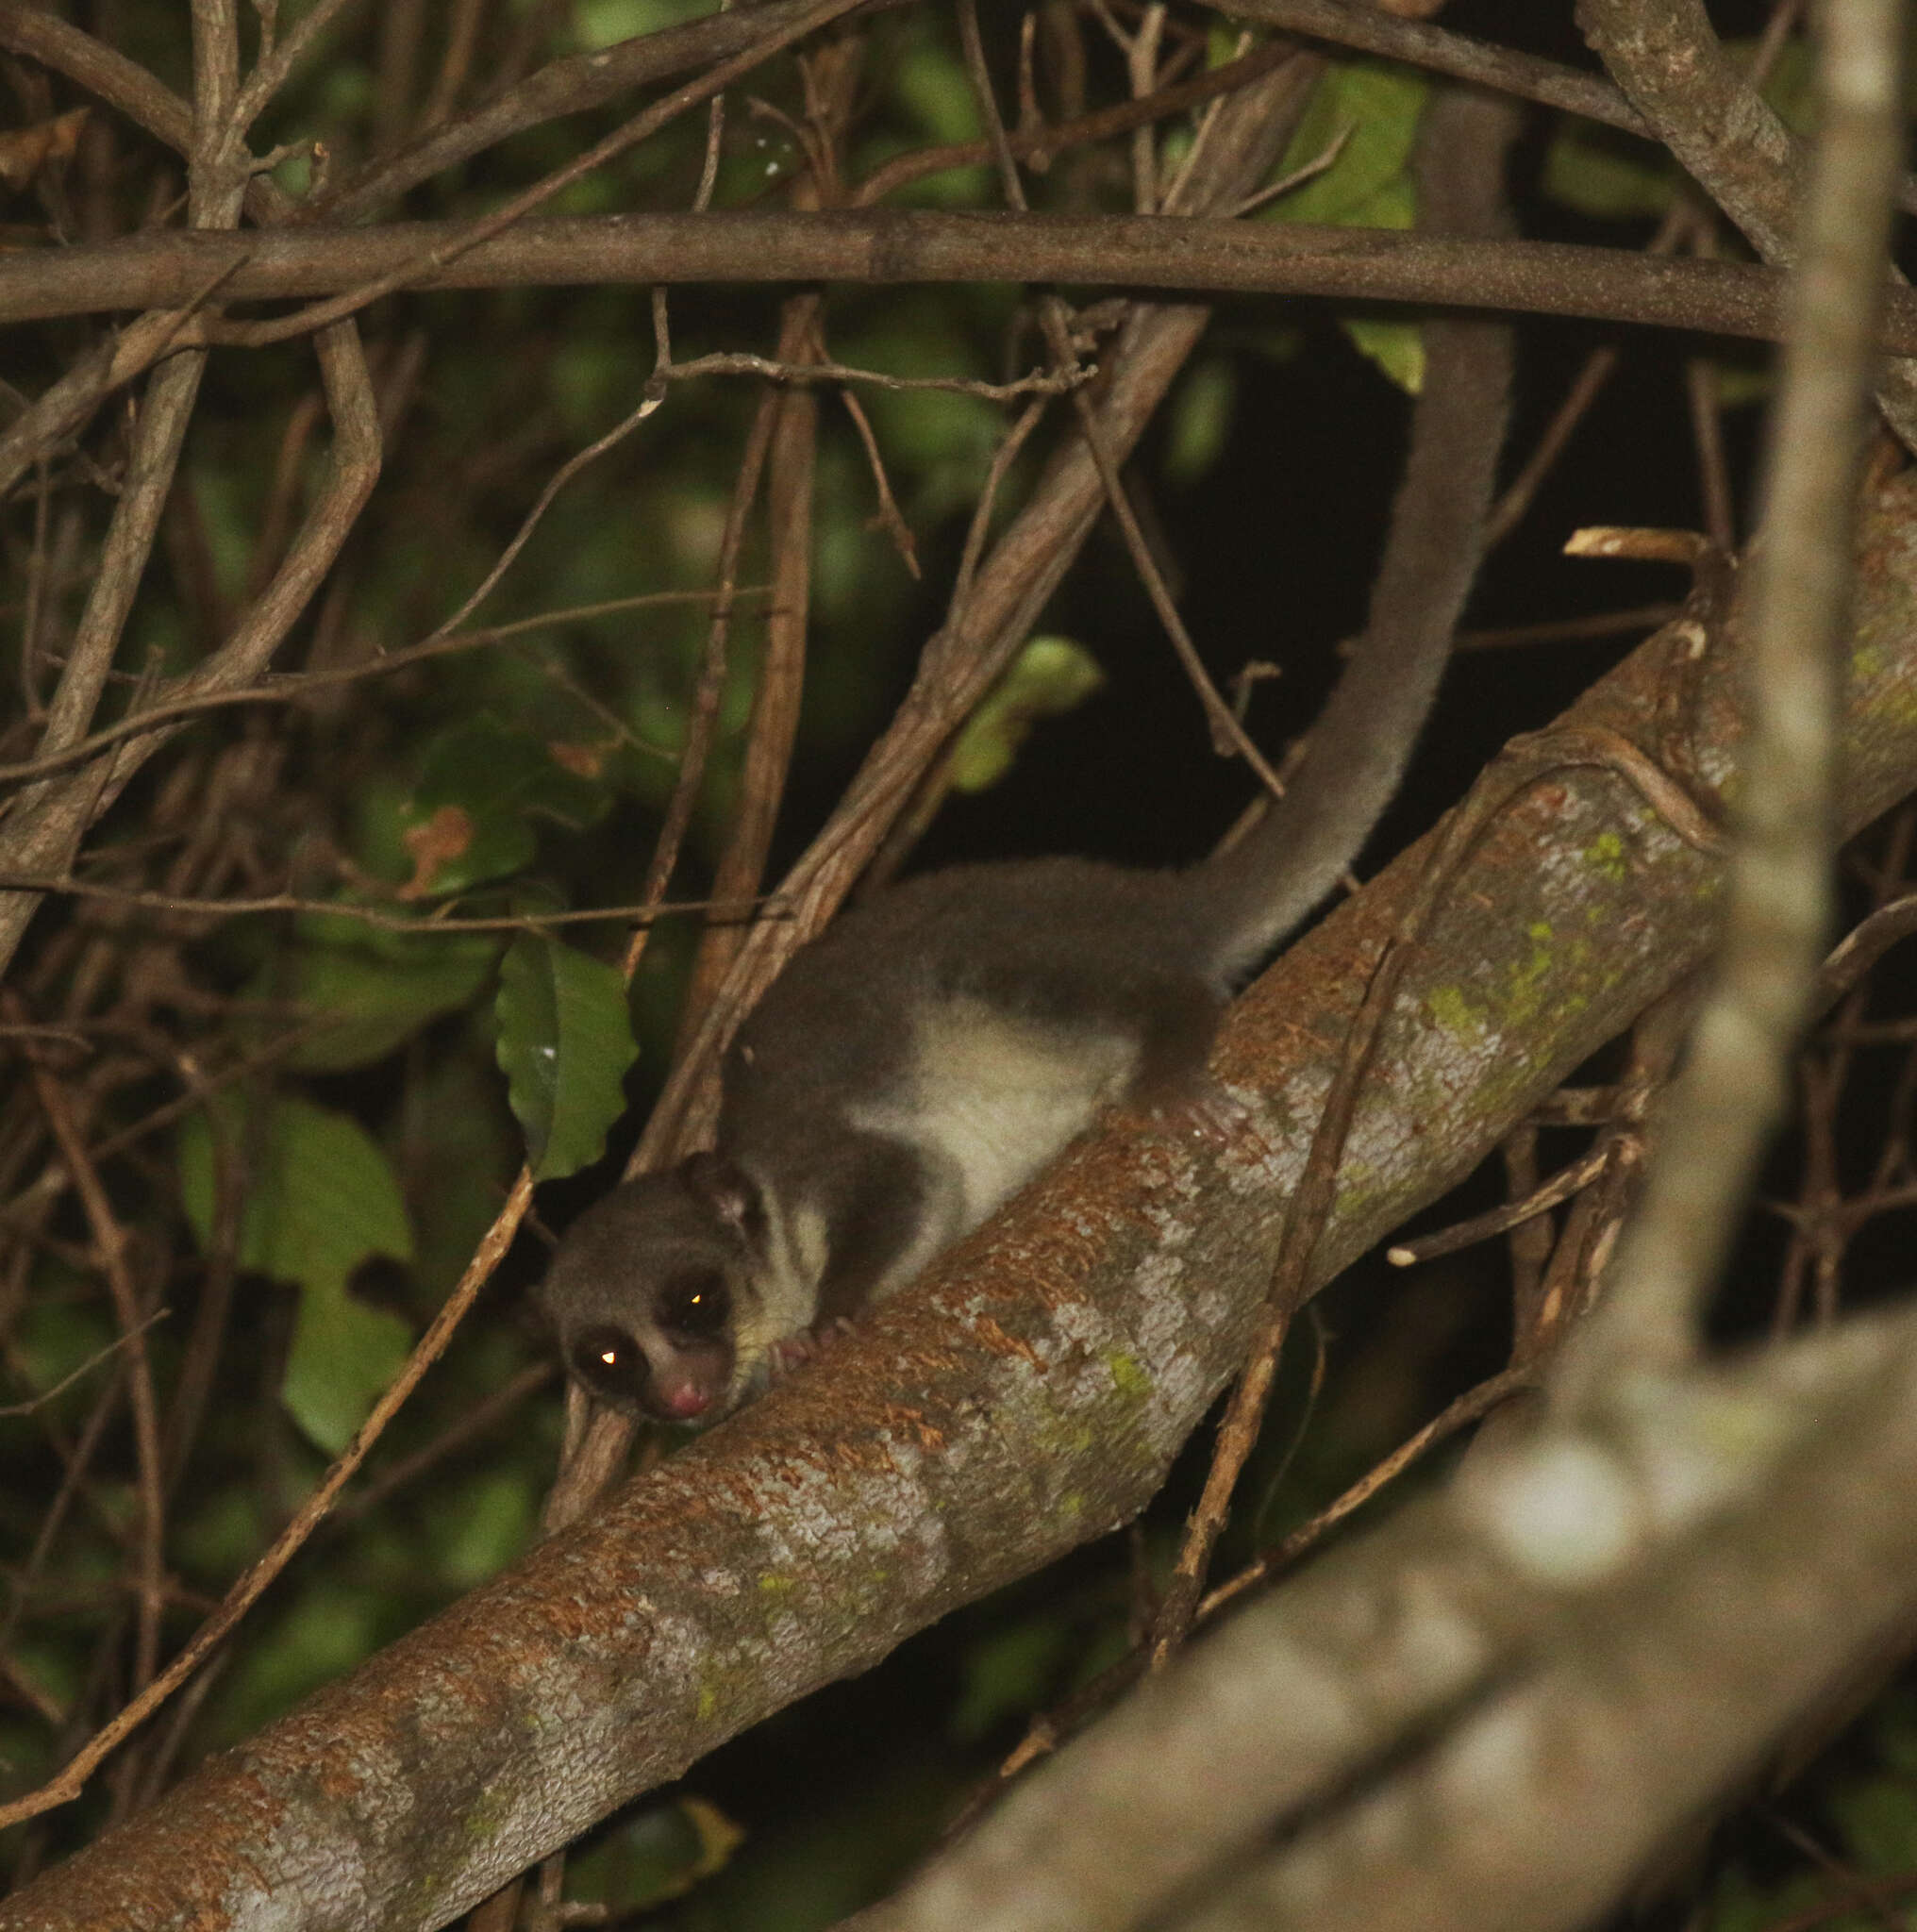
point(931, 84)
point(1050, 676)
point(755, 154)
point(1878, 1818)
point(565, 1042)
point(654, 1855)
point(605, 23)
point(1200, 420)
point(489, 1523)
point(217, 1532)
point(928, 427)
point(379, 809)
point(1738, 1903)
point(1393, 204)
point(1895, 1724)
point(1010, 1671)
point(1792, 85)
point(328, 1629)
point(1396, 347)
point(462, 1148)
point(482, 783)
point(321, 1200)
point(56, 1337)
point(1745, 383)
point(344, 1352)
point(1609, 175)
point(371, 991)
point(1220, 41)
point(1375, 109)
point(1379, 106)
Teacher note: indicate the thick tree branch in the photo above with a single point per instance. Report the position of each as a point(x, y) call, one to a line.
point(1493, 1711)
point(1027, 1398)
point(887, 245)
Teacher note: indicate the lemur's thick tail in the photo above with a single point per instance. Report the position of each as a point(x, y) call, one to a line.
point(1358, 748)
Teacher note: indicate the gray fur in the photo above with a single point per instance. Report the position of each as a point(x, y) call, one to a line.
point(929, 1053)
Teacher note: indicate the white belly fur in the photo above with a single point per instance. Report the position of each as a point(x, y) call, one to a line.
point(988, 1099)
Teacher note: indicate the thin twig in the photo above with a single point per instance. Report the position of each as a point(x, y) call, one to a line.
point(424, 922)
point(109, 1241)
point(291, 687)
point(483, 1416)
point(530, 522)
point(1473, 1405)
point(1038, 145)
point(1570, 1179)
point(85, 1368)
point(1040, 382)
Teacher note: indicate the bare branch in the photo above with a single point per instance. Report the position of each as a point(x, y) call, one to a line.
point(1463, 1720)
point(889, 245)
point(1372, 29)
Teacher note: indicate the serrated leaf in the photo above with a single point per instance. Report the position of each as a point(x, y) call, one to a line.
point(1050, 676)
point(565, 1042)
point(482, 784)
point(1373, 107)
point(321, 1199)
point(369, 992)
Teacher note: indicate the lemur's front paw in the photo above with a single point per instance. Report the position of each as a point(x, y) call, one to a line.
point(787, 1352)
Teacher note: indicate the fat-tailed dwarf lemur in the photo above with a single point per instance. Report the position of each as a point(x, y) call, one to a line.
point(923, 1059)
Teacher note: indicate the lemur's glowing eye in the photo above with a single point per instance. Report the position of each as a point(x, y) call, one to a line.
point(612, 1363)
point(695, 1305)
